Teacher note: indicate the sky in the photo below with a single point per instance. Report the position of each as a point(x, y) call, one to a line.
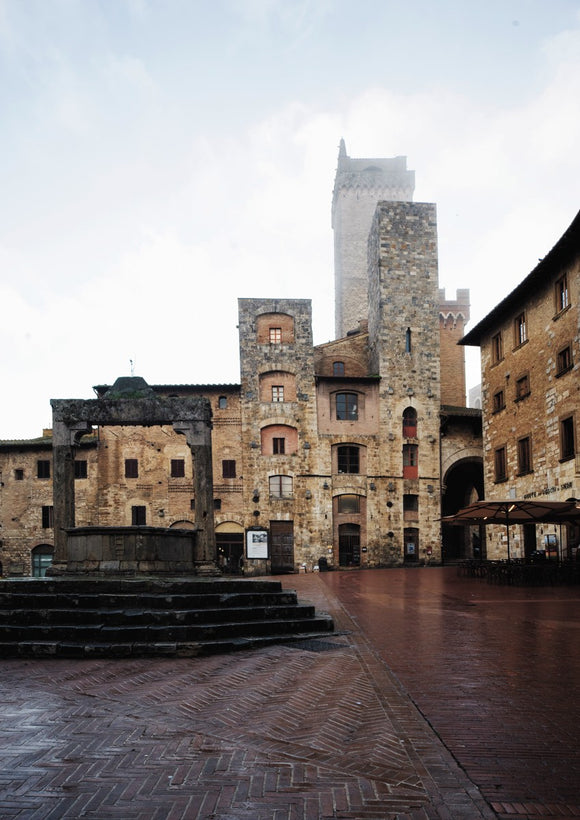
point(160, 159)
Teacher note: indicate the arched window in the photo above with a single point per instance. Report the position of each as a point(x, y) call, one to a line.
point(346, 406)
point(279, 440)
point(281, 486)
point(348, 504)
point(338, 368)
point(222, 402)
point(409, 422)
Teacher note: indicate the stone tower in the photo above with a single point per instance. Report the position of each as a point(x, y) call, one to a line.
point(359, 185)
point(404, 351)
point(453, 316)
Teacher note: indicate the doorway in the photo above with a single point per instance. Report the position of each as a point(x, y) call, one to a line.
point(349, 545)
point(282, 546)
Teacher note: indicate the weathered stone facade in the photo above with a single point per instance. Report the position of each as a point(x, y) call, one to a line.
point(331, 453)
point(530, 360)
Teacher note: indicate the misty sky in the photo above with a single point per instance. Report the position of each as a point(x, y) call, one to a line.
point(161, 158)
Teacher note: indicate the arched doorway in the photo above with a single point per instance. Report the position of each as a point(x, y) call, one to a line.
point(41, 559)
point(229, 538)
point(349, 545)
point(463, 485)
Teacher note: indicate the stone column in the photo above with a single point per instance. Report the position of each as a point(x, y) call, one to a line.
point(198, 436)
point(63, 490)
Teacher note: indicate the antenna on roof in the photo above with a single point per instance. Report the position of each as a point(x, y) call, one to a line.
point(132, 363)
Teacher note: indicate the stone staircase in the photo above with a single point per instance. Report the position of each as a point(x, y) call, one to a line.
point(98, 618)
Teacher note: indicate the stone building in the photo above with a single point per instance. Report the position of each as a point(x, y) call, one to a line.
point(341, 454)
point(530, 361)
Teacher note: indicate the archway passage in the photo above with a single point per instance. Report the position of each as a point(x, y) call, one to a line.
point(463, 485)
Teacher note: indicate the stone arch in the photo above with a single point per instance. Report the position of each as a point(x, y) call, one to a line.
point(462, 484)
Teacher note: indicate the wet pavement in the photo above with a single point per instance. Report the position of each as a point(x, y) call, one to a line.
point(495, 671)
point(438, 697)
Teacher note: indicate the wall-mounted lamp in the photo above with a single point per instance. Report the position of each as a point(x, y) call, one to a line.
point(161, 513)
point(306, 445)
point(254, 445)
point(308, 494)
point(325, 486)
point(372, 486)
point(256, 496)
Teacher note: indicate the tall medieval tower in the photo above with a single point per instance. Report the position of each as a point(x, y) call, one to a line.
point(359, 185)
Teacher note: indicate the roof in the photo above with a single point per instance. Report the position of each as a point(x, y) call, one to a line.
point(101, 389)
point(42, 443)
point(566, 249)
point(467, 412)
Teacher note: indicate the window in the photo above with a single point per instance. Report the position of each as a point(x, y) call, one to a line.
point(278, 446)
point(408, 340)
point(138, 516)
point(222, 403)
point(277, 392)
point(192, 503)
point(524, 456)
point(410, 461)
point(348, 459)
point(346, 406)
point(522, 387)
point(567, 442)
point(131, 468)
point(80, 468)
point(500, 464)
point(228, 468)
point(498, 401)
point(349, 504)
point(409, 422)
point(496, 348)
point(19, 474)
point(47, 517)
point(561, 294)
point(564, 361)
point(520, 329)
point(281, 486)
point(43, 468)
point(338, 368)
point(217, 503)
point(177, 468)
point(410, 507)
point(275, 335)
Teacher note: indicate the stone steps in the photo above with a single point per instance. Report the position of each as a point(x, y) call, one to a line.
point(80, 617)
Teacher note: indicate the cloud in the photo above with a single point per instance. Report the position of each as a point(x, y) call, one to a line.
point(132, 223)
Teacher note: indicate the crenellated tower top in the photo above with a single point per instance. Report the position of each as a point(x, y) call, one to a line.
point(360, 184)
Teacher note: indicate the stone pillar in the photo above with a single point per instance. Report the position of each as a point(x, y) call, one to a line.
point(64, 437)
point(198, 436)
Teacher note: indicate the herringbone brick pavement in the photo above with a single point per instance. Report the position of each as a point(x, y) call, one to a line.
point(308, 731)
point(494, 669)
